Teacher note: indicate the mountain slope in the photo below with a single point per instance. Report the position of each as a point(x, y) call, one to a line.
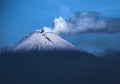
point(43, 40)
point(57, 68)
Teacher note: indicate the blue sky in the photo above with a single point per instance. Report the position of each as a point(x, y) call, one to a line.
point(19, 17)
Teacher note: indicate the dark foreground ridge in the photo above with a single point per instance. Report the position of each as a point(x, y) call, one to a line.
point(58, 67)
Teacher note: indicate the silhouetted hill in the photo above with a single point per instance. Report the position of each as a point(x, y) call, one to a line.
point(58, 67)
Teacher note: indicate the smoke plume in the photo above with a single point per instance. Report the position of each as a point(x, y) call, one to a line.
point(86, 21)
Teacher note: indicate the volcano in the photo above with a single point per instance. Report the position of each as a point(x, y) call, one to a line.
point(43, 40)
point(43, 57)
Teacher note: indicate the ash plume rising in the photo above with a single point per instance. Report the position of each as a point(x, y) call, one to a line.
point(86, 21)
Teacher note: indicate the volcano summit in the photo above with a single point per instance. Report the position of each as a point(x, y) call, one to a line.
point(43, 40)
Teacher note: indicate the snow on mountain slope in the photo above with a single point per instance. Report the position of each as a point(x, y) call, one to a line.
point(43, 40)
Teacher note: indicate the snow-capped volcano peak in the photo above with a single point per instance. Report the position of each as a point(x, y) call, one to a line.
point(43, 40)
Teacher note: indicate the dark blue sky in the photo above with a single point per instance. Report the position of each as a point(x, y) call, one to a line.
point(19, 17)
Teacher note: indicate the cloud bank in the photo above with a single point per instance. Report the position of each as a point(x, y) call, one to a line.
point(86, 21)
